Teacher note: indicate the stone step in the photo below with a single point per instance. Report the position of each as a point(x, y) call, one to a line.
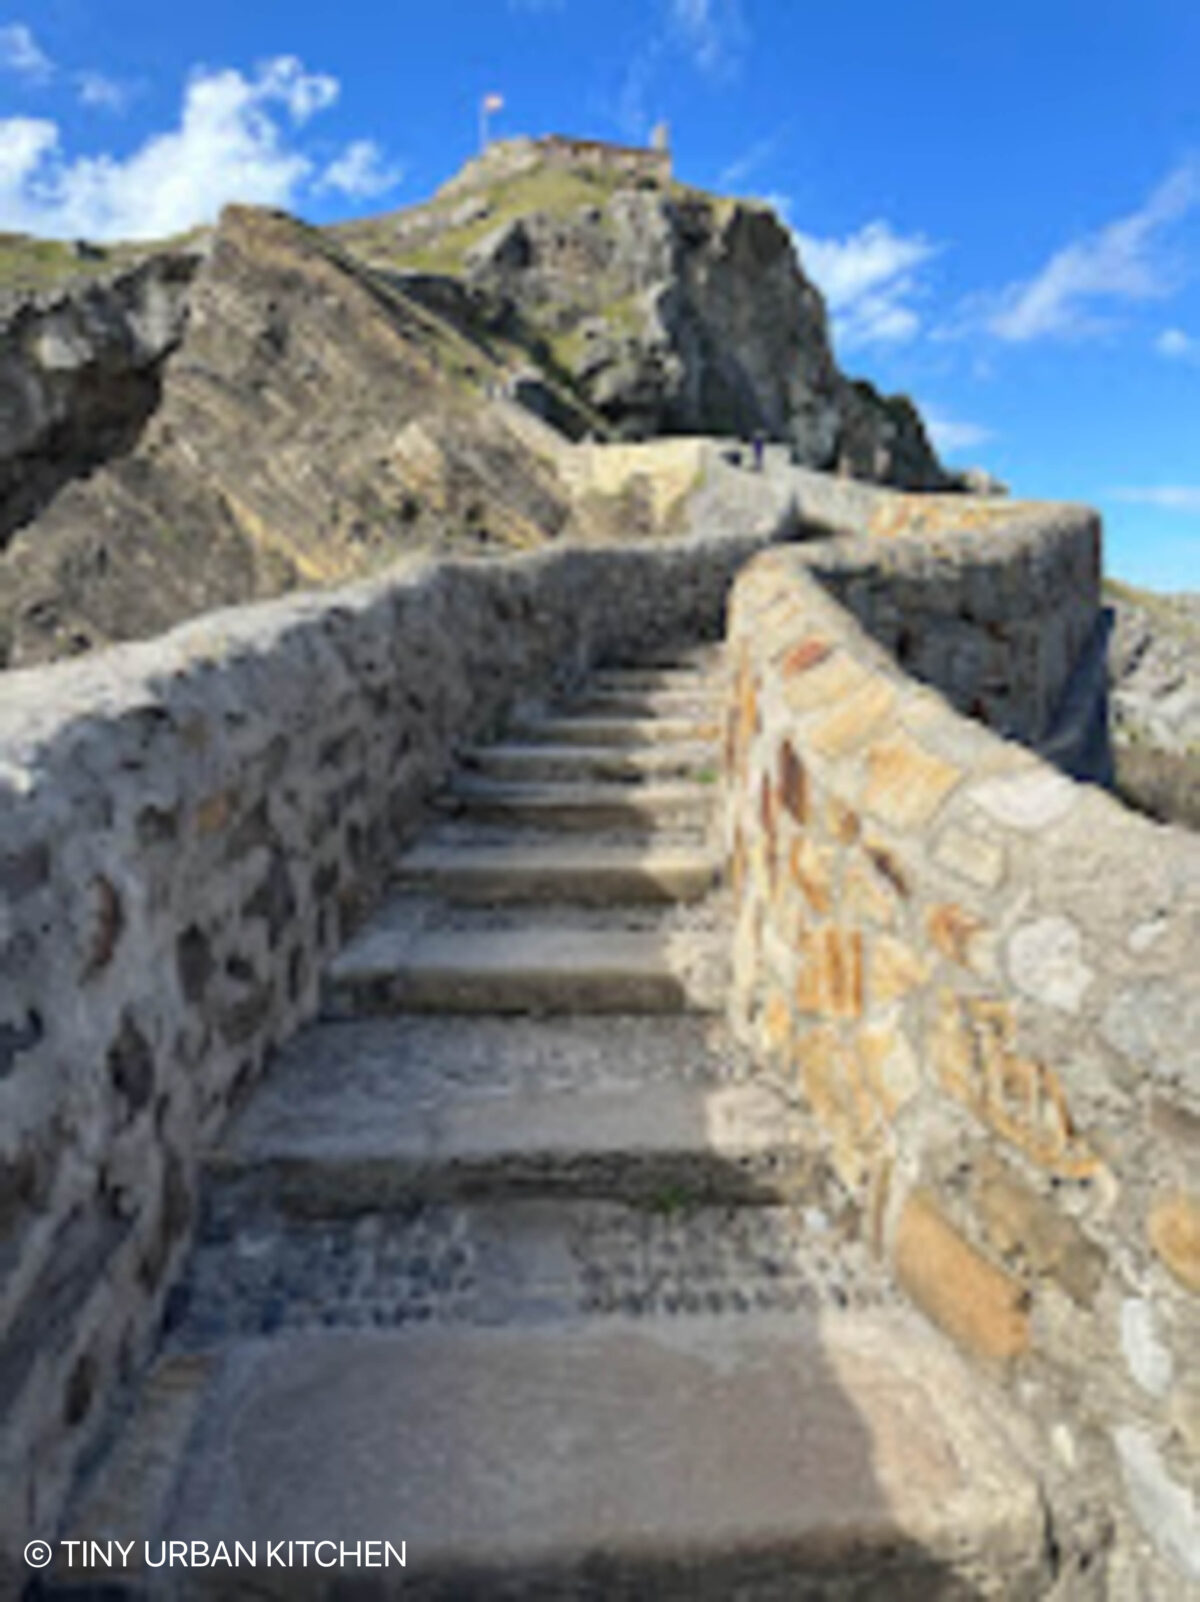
point(367, 1116)
point(531, 763)
point(581, 807)
point(766, 1456)
point(581, 872)
point(653, 680)
point(696, 705)
point(552, 966)
point(615, 731)
point(520, 1260)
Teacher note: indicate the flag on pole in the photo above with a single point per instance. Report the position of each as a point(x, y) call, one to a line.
point(493, 102)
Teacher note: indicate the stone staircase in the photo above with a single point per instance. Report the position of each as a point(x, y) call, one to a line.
point(511, 1259)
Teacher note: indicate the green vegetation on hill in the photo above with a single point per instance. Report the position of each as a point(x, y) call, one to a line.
point(550, 190)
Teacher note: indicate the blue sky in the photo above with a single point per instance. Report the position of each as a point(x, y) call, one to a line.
point(1002, 203)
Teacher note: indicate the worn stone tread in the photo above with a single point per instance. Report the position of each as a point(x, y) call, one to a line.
point(362, 1115)
point(590, 731)
point(579, 806)
point(583, 872)
point(511, 759)
point(759, 1456)
point(549, 967)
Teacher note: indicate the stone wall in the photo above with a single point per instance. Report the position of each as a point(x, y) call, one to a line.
point(188, 829)
point(980, 980)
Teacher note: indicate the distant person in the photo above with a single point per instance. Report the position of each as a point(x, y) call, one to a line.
point(759, 444)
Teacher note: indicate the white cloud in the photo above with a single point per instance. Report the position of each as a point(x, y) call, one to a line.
point(361, 172)
point(712, 31)
point(235, 141)
point(952, 434)
point(100, 92)
point(754, 157)
point(1123, 261)
point(1164, 497)
point(1174, 344)
point(868, 279)
point(20, 53)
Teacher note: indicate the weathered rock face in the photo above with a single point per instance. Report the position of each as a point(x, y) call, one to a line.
point(313, 424)
point(668, 310)
point(80, 373)
point(1154, 670)
point(1154, 661)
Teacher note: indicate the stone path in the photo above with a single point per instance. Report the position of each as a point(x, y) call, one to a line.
point(511, 1259)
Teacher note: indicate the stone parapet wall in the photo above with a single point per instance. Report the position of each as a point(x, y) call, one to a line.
point(188, 829)
point(980, 979)
point(991, 601)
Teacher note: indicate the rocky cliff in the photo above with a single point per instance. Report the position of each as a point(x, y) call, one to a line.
point(269, 405)
point(80, 372)
point(313, 424)
point(664, 309)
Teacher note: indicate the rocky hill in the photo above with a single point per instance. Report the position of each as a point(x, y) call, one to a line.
point(664, 309)
point(269, 405)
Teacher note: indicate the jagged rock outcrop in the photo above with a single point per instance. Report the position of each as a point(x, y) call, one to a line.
point(80, 373)
point(667, 310)
point(313, 424)
point(272, 405)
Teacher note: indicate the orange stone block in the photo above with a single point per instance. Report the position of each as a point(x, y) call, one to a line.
point(810, 871)
point(777, 1027)
point(889, 1067)
point(895, 969)
point(830, 982)
point(808, 654)
point(978, 1305)
point(952, 930)
point(905, 783)
point(1174, 1231)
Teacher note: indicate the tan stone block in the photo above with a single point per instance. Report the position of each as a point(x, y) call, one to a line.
point(906, 784)
point(812, 873)
point(830, 981)
point(952, 929)
point(830, 680)
point(817, 1059)
point(1174, 1231)
point(777, 1027)
point(1027, 1230)
point(889, 1066)
point(895, 970)
point(971, 857)
point(853, 721)
point(864, 901)
point(978, 1305)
